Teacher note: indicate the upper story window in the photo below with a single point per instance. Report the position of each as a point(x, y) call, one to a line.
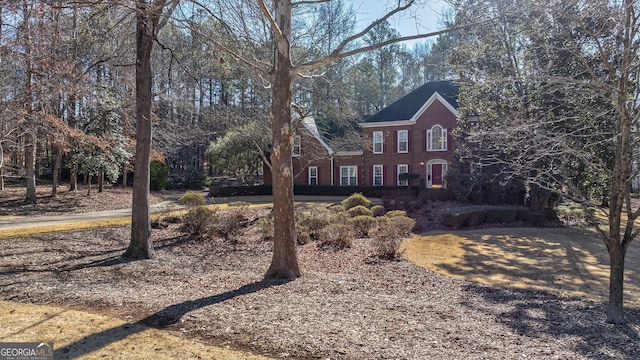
point(295, 151)
point(403, 141)
point(437, 138)
point(378, 148)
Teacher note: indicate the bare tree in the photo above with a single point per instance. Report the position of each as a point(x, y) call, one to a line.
point(555, 90)
point(284, 263)
point(150, 18)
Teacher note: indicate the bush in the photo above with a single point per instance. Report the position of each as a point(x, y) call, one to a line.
point(200, 221)
point(394, 213)
point(386, 243)
point(362, 224)
point(355, 200)
point(378, 210)
point(265, 226)
point(315, 225)
point(243, 204)
point(158, 175)
point(302, 234)
point(192, 199)
point(403, 225)
point(337, 236)
point(231, 223)
point(359, 210)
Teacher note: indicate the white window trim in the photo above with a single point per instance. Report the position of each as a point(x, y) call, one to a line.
point(296, 149)
point(443, 139)
point(313, 177)
point(430, 163)
point(349, 168)
point(381, 142)
point(402, 182)
point(407, 142)
point(381, 167)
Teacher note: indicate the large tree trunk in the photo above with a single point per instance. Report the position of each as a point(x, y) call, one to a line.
point(101, 181)
point(30, 166)
point(284, 263)
point(615, 308)
point(73, 179)
point(141, 245)
point(56, 171)
point(88, 181)
point(30, 133)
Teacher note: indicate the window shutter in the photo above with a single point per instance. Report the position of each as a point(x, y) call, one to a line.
point(384, 173)
point(424, 140)
point(429, 147)
point(445, 139)
point(373, 176)
point(306, 175)
point(395, 140)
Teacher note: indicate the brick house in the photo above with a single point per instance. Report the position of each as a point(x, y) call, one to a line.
point(410, 136)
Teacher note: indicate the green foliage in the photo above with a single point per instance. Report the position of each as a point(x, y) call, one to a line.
point(359, 210)
point(196, 179)
point(200, 221)
point(239, 152)
point(355, 200)
point(192, 199)
point(362, 224)
point(159, 175)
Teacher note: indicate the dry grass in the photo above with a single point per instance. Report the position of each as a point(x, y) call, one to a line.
point(63, 327)
point(565, 261)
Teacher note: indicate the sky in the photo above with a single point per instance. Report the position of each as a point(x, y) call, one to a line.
point(417, 19)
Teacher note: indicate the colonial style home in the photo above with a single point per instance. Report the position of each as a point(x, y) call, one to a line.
point(411, 136)
point(407, 143)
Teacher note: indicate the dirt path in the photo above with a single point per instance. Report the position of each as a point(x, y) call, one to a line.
point(565, 261)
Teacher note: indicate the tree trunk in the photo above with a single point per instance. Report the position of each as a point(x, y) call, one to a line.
point(615, 308)
point(284, 263)
point(73, 179)
point(88, 182)
point(56, 171)
point(30, 133)
point(30, 166)
point(101, 181)
point(141, 245)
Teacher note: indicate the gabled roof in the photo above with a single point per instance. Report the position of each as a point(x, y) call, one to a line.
point(407, 107)
point(310, 124)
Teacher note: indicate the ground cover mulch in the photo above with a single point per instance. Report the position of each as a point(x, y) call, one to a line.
point(346, 306)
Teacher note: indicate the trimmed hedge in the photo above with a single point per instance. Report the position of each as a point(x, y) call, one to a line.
point(478, 215)
point(328, 190)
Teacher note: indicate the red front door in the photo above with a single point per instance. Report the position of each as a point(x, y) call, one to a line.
point(436, 175)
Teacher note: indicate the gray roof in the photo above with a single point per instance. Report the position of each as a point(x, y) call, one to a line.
point(407, 106)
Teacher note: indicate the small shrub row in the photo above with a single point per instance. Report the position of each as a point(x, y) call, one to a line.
point(470, 216)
